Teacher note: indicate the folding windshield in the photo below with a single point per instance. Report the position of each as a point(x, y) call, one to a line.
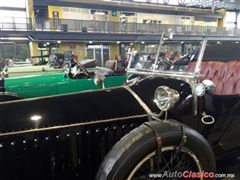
point(165, 55)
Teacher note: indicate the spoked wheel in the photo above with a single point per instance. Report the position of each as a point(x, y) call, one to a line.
point(135, 156)
point(171, 164)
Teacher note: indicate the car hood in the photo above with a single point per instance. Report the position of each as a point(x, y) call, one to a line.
point(78, 108)
point(86, 107)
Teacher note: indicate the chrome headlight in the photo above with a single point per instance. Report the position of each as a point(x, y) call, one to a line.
point(203, 87)
point(200, 89)
point(165, 97)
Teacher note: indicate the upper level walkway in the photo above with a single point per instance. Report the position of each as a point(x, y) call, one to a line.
point(51, 29)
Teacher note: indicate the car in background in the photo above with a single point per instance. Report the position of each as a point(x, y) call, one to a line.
point(21, 64)
point(75, 79)
point(58, 61)
point(62, 60)
point(39, 60)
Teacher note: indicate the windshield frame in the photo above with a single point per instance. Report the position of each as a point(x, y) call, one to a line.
point(190, 77)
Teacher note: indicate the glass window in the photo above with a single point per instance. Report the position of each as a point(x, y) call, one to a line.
point(7, 50)
point(18, 51)
point(22, 51)
point(14, 3)
point(230, 19)
point(90, 54)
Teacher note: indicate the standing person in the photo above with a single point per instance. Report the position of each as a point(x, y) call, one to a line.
point(10, 62)
point(74, 59)
point(27, 60)
point(2, 86)
point(93, 24)
point(118, 58)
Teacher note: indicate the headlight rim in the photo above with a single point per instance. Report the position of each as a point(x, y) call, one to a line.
point(172, 95)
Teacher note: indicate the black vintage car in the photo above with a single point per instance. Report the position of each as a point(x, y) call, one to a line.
point(162, 124)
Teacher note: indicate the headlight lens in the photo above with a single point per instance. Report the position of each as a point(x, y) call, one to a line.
point(165, 97)
point(203, 87)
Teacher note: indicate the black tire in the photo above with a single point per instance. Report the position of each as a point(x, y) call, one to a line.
point(141, 142)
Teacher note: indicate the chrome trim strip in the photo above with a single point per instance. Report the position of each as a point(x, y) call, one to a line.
point(172, 74)
point(72, 125)
point(59, 95)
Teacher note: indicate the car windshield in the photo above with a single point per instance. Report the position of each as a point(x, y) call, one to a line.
point(170, 56)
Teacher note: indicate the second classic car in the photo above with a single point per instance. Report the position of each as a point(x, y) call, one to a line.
point(75, 80)
point(162, 124)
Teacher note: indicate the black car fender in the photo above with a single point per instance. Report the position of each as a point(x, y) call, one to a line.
point(6, 96)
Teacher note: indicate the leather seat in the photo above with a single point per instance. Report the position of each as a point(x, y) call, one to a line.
point(111, 64)
point(225, 75)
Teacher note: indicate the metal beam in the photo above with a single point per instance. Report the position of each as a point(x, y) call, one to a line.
point(108, 37)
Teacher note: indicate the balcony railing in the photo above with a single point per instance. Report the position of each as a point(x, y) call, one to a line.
point(84, 26)
point(16, 24)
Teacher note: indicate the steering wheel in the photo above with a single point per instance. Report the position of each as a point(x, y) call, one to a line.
point(164, 64)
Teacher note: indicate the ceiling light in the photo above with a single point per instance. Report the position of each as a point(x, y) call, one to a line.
point(99, 13)
point(118, 42)
point(36, 117)
point(14, 38)
point(58, 42)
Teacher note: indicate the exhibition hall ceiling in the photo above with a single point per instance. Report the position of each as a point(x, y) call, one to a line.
point(206, 4)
